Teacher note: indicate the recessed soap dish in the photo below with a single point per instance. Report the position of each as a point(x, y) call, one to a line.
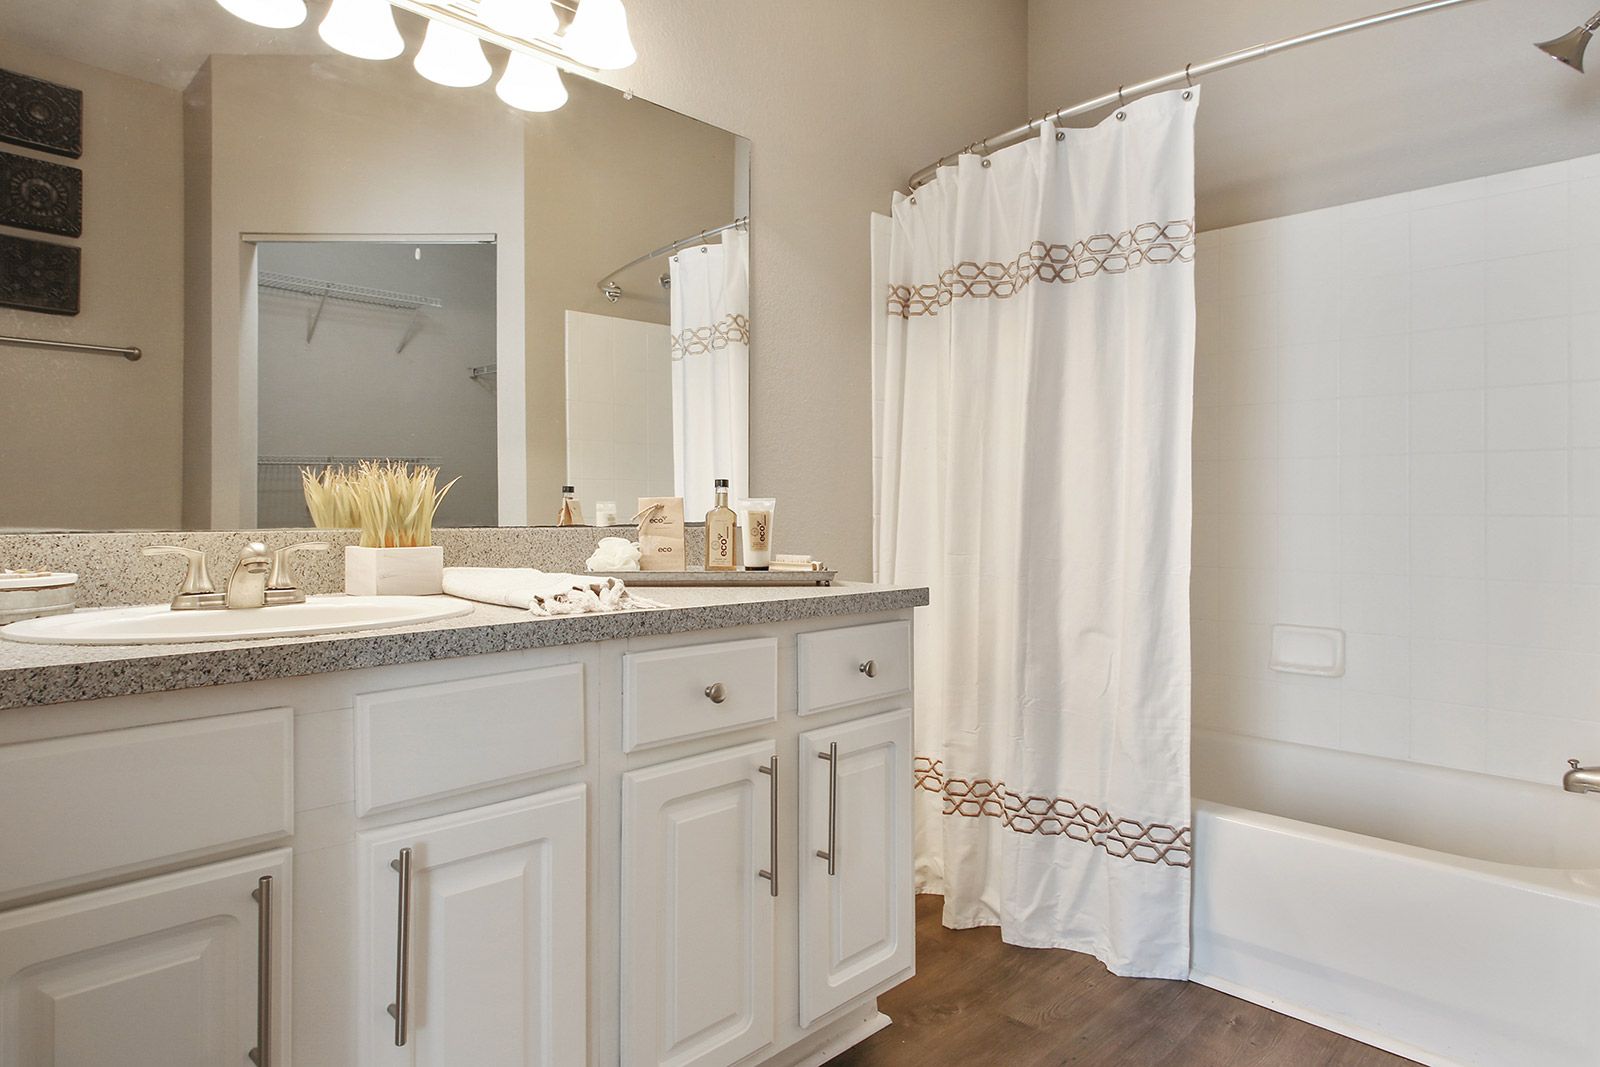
point(1313, 650)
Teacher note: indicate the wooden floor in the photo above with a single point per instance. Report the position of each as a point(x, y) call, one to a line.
point(977, 1002)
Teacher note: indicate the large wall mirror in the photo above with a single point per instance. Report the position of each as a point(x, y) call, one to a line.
point(324, 258)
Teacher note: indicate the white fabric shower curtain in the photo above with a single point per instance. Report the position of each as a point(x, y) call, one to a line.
point(1035, 431)
point(711, 370)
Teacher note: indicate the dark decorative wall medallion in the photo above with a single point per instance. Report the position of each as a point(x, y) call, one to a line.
point(41, 114)
point(38, 276)
point(37, 195)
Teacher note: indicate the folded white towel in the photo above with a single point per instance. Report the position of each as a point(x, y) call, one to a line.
point(541, 592)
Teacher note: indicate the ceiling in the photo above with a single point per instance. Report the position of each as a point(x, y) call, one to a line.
point(1456, 94)
point(161, 41)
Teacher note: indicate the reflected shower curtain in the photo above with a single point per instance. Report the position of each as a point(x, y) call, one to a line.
point(711, 370)
point(1035, 430)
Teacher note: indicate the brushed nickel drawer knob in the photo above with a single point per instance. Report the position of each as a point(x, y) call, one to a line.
point(869, 668)
point(716, 693)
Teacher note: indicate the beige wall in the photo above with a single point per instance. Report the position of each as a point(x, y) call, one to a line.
point(320, 145)
point(93, 441)
point(1460, 93)
point(608, 180)
point(841, 100)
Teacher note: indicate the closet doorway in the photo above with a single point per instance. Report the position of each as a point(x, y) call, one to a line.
point(377, 349)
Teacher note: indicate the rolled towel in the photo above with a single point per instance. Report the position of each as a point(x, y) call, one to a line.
point(541, 592)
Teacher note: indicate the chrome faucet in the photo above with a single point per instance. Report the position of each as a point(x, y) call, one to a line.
point(1581, 779)
point(248, 586)
point(258, 579)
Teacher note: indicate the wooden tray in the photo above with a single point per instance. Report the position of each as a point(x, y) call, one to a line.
point(723, 578)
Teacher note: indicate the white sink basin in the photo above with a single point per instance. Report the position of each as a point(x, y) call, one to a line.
point(159, 624)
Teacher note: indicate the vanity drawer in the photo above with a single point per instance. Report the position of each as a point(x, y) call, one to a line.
point(852, 664)
point(671, 694)
point(107, 803)
point(438, 740)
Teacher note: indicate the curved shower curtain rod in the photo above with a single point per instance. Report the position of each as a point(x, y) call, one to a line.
point(613, 291)
point(1186, 76)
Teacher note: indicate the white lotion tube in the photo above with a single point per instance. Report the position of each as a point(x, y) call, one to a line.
point(755, 532)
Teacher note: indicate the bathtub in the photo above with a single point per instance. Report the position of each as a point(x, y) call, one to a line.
point(1449, 917)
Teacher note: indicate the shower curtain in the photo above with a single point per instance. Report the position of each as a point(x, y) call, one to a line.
point(1037, 400)
point(711, 370)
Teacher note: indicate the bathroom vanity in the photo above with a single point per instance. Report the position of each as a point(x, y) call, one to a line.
point(679, 836)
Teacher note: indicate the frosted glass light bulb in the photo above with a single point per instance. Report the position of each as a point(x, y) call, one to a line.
point(362, 28)
point(599, 37)
point(527, 19)
point(273, 14)
point(451, 57)
point(531, 84)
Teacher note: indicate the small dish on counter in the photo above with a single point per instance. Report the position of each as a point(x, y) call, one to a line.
point(34, 594)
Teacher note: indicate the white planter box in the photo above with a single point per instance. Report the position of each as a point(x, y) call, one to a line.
point(394, 571)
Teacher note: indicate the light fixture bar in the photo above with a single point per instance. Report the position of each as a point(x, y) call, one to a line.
point(463, 15)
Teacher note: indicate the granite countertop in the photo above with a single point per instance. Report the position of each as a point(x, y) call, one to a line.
point(31, 675)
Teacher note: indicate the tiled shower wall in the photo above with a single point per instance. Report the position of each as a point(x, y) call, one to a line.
point(1397, 433)
point(619, 412)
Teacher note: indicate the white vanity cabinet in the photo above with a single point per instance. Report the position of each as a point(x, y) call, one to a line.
point(182, 970)
point(698, 855)
point(583, 855)
point(857, 925)
point(740, 943)
point(473, 936)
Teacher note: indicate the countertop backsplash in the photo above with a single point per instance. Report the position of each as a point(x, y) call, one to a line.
point(112, 571)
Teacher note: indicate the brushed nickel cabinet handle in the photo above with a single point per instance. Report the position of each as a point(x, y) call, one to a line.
point(869, 668)
point(716, 693)
point(832, 756)
point(771, 873)
point(261, 1055)
point(402, 962)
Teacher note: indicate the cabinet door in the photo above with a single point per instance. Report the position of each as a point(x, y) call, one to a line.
point(483, 922)
point(166, 971)
point(857, 922)
point(697, 908)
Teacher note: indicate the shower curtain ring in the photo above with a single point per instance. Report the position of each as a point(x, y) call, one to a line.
point(1187, 76)
point(1120, 101)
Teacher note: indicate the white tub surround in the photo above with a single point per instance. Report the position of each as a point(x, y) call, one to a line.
point(605, 831)
point(1450, 917)
point(1035, 435)
point(1397, 434)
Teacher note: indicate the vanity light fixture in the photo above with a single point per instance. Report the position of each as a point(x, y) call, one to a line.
point(362, 28)
point(527, 19)
point(453, 57)
point(599, 37)
point(273, 14)
point(531, 84)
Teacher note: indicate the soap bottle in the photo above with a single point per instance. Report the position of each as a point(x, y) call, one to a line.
point(721, 530)
point(571, 508)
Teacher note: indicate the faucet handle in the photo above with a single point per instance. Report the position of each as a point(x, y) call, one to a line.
point(197, 579)
point(282, 576)
point(1572, 763)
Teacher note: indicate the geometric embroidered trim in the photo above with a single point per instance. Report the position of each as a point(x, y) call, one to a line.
point(1149, 243)
point(1052, 816)
point(733, 329)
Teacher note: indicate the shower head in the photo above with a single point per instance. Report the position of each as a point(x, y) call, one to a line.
point(1569, 48)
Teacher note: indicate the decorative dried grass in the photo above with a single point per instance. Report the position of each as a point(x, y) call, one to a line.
point(393, 503)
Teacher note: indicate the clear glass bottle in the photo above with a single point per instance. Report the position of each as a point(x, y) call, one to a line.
point(722, 527)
